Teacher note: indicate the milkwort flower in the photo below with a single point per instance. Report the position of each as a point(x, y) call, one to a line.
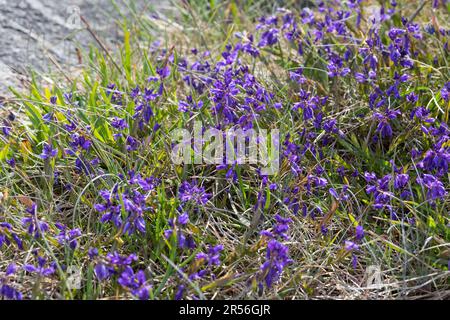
point(202, 269)
point(192, 192)
point(6, 128)
point(136, 283)
point(445, 92)
point(335, 68)
point(268, 38)
point(352, 247)
point(384, 126)
point(143, 100)
point(359, 232)
point(102, 271)
point(5, 229)
point(435, 188)
point(35, 227)
point(277, 253)
point(11, 162)
point(119, 123)
point(111, 211)
point(421, 113)
point(6, 290)
point(112, 264)
point(132, 201)
point(6, 233)
point(380, 189)
point(42, 268)
point(131, 144)
point(177, 226)
point(437, 161)
point(164, 71)
point(190, 105)
point(48, 152)
point(401, 181)
point(297, 75)
point(118, 260)
point(277, 258)
point(69, 237)
point(79, 146)
point(212, 257)
point(206, 262)
point(314, 181)
point(114, 94)
point(342, 196)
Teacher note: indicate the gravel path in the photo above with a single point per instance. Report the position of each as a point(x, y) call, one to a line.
point(33, 30)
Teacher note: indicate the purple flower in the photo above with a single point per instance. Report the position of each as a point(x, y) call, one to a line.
point(11, 269)
point(119, 124)
point(350, 245)
point(359, 232)
point(180, 292)
point(135, 282)
point(183, 106)
point(42, 268)
point(277, 254)
point(192, 192)
point(118, 260)
point(92, 253)
point(6, 128)
point(282, 226)
point(9, 292)
point(68, 236)
point(445, 92)
point(34, 226)
point(438, 161)
point(163, 72)
point(212, 258)
point(277, 258)
point(269, 38)
point(132, 143)
point(401, 180)
point(360, 77)
point(102, 272)
point(11, 162)
point(131, 201)
point(412, 97)
point(183, 219)
point(48, 152)
point(6, 290)
point(435, 187)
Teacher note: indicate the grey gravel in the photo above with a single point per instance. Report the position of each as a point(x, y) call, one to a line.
point(33, 30)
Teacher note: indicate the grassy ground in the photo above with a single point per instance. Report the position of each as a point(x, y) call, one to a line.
point(87, 183)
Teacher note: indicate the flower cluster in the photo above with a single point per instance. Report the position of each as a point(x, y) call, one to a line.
point(132, 201)
point(277, 253)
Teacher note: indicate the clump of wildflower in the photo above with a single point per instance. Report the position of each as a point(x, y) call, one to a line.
point(177, 226)
point(35, 227)
point(69, 237)
point(202, 269)
point(277, 253)
point(352, 247)
point(192, 192)
point(132, 201)
point(48, 152)
point(435, 187)
point(7, 291)
point(42, 268)
point(136, 283)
